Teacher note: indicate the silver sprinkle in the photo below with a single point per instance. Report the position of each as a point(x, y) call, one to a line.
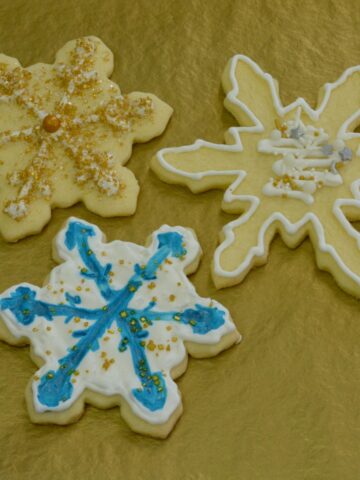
point(345, 154)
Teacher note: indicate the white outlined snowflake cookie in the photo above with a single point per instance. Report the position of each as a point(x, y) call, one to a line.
point(65, 133)
point(113, 325)
point(292, 170)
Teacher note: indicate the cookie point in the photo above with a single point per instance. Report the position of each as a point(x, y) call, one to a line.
point(51, 123)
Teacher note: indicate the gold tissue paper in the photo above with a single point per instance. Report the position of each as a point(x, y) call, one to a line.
point(283, 404)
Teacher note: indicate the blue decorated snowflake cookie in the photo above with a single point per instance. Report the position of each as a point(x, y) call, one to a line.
point(109, 328)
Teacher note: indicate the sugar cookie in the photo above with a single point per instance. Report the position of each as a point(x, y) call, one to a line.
point(113, 325)
point(65, 133)
point(293, 170)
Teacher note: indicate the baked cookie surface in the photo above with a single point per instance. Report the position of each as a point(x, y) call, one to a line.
point(290, 169)
point(65, 133)
point(112, 326)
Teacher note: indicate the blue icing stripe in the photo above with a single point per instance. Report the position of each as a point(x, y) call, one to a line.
point(77, 235)
point(152, 393)
point(21, 303)
point(24, 306)
point(56, 386)
point(203, 319)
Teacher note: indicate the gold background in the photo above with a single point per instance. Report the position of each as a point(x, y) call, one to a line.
point(282, 405)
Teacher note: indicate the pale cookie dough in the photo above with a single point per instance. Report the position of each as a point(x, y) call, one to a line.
point(112, 326)
point(292, 170)
point(65, 133)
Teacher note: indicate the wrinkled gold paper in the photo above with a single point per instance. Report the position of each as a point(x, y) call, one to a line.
point(282, 405)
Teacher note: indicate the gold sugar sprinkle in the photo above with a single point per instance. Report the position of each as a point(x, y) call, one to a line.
point(107, 363)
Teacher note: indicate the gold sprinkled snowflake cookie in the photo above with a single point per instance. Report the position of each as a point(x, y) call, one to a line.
point(293, 170)
point(65, 133)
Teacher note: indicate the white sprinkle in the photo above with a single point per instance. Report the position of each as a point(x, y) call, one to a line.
point(71, 87)
point(110, 187)
point(24, 192)
point(16, 209)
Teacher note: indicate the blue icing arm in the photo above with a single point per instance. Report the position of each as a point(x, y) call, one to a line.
point(76, 232)
point(201, 319)
point(25, 307)
point(56, 387)
point(152, 393)
point(77, 235)
point(21, 303)
point(170, 245)
point(174, 243)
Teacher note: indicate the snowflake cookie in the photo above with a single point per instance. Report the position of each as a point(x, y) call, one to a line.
point(112, 326)
point(292, 170)
point(65, 133)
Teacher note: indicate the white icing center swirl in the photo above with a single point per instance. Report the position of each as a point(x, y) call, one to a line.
point(308, 160)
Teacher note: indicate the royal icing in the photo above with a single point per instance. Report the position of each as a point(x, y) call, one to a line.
point(308, 161)
point(113, 319)
point(296, 158)
point(70, 118)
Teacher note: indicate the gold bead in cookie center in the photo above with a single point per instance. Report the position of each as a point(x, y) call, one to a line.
point(51, 123)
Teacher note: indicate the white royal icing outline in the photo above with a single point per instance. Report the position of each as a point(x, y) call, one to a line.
point(235, 133)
